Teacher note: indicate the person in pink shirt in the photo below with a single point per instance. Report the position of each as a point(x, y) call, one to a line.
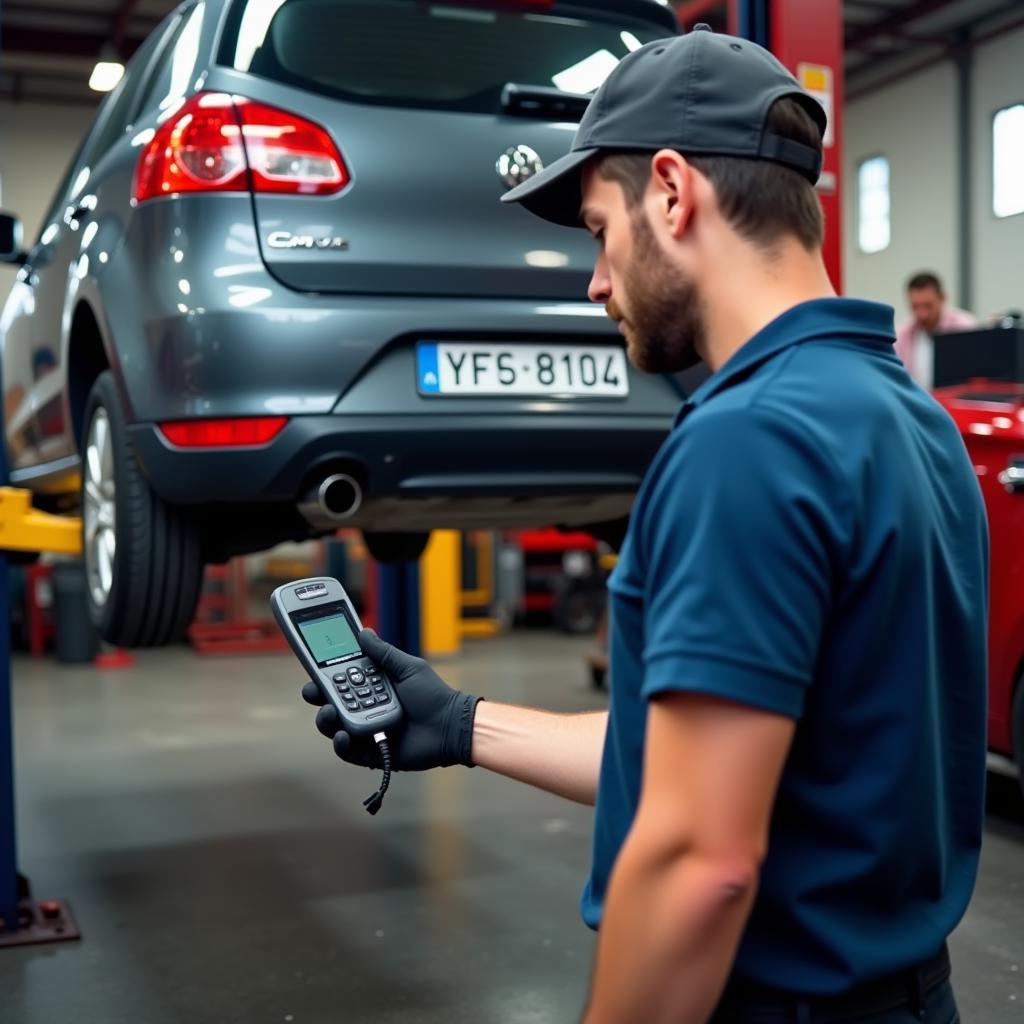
point(932, 315)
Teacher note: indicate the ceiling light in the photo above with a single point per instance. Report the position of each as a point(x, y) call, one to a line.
point(108, 71)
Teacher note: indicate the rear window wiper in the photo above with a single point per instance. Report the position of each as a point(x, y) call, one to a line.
point(543, 101)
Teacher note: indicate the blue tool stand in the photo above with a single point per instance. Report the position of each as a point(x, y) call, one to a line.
point(23, 922)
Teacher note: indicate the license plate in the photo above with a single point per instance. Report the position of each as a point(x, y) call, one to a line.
point(470, 368)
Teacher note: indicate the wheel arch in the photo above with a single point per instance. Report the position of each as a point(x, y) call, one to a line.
point(87, 359)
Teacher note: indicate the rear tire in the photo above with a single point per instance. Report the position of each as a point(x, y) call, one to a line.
point(143, 556)
point(395, 547)
point(578, 607)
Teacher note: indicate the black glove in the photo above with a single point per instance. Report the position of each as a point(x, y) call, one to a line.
point(437, 726)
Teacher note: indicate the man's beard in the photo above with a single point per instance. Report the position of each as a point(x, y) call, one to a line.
point(665, 327)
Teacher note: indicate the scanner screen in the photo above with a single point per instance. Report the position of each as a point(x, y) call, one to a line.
point(330, 637)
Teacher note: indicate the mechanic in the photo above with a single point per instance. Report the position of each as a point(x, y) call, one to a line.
point(931, 314)
point(789, 781)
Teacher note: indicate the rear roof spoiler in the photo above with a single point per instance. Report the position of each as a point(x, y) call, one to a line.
point(648, 10)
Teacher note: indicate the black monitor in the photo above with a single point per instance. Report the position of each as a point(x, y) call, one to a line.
point(995, 353)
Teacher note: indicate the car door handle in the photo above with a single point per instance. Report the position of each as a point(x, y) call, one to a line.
point(1012, 478)
point(81, 211)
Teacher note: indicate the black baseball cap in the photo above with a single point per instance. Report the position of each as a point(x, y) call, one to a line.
point(700, 94)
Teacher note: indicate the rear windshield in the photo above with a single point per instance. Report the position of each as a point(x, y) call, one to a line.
point(453, 56)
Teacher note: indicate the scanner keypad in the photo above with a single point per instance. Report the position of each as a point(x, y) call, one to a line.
point(362, 687)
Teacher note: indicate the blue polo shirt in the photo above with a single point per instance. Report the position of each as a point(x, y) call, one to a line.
point(811, 541)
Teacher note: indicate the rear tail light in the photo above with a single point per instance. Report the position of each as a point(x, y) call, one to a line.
point(228, 433)
point(220, 143)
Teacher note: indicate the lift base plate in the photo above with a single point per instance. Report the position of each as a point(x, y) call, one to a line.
point(40, 922)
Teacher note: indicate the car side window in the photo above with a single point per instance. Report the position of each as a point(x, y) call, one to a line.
point(114, 119)
point(174, 71)
point(59, 195)
point(116, 113)
point(107, 127)
point(166, 38)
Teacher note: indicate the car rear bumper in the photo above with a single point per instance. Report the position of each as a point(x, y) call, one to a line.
point(426, 471)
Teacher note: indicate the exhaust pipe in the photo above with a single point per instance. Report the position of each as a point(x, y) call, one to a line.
point(335, 499)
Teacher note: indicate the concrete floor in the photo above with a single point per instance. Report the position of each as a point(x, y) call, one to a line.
point(222, 868)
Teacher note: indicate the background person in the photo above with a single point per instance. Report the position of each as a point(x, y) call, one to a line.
point(931, 315)
point(789, 780)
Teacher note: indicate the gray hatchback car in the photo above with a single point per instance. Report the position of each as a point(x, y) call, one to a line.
point(276, 292)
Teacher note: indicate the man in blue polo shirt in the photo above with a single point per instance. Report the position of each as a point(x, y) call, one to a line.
point(789, 781)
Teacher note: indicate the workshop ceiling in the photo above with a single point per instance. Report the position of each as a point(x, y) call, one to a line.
point(886, 40)
point(48, 47)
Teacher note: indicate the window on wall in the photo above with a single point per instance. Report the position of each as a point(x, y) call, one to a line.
point(873, 205)
point(1008, 161)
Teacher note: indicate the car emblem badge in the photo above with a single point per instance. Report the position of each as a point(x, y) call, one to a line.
point(286, 240)
point(518, 164)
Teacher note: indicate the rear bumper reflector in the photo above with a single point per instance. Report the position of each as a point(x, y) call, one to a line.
point(246, 432)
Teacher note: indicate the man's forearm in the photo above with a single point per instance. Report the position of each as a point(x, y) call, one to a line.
point(557, 753)
point(669, 935)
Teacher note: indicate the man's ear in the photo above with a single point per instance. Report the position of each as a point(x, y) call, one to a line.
point(671, 191)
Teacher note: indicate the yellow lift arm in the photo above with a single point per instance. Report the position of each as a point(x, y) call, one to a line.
point(24, 528)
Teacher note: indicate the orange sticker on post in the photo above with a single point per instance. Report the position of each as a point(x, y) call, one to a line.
point(816, 79)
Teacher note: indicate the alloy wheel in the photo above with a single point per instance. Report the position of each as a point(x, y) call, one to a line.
point(99, 511)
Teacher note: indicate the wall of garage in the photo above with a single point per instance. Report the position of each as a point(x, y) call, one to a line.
point(923, 183)
point(37, 143)
point(998, 275)
point(893, 122)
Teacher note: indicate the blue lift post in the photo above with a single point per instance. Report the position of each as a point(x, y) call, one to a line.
point(752, 21)
point(22, 922)
point(9, 895)
point(398, 605)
